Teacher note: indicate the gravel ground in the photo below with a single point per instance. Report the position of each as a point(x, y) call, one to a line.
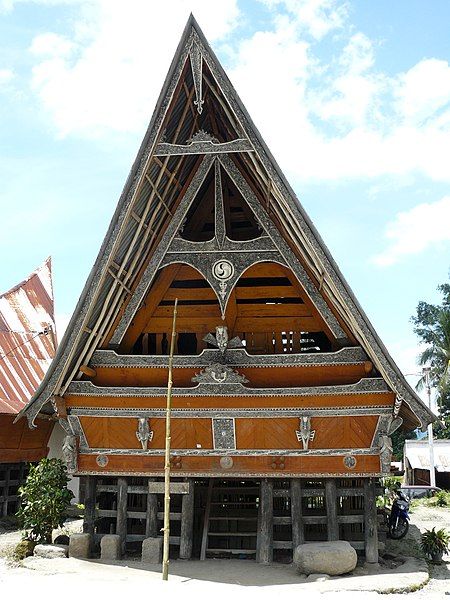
point(244, 580)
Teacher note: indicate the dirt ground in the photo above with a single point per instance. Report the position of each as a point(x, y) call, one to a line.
point(222, 578)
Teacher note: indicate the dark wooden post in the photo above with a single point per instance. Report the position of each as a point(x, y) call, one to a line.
point(331, 506)
point(6, 490)
point(370, 522)
point(265, 530)
point(122, 501)
point(298, 533)
point(187, 522)
point(151, 515)
point(89, 504)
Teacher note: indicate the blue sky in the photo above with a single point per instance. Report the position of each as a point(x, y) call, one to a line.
point(352, 97)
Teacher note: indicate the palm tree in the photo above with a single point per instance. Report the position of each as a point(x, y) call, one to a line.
point(437, 357)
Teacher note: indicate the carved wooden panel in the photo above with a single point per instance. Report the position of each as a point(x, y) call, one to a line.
point(249, 466)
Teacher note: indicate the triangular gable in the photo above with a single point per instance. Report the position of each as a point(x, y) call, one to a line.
point(170, 168)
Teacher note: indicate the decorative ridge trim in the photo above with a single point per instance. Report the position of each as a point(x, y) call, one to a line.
point(230, 452)
point(239, 413)
point(355, 474)
point(235, 357)
point(364, 386)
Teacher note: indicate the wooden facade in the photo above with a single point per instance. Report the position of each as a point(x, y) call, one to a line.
point(284, 397)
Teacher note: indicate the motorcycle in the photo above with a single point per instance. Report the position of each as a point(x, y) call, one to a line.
point(398, 523)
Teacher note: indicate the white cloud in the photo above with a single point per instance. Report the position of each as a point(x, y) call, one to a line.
point(423, 90)
point(328, 120)
point(108, 75)
point(317, 17)
point(6, 75)
point(416, 230)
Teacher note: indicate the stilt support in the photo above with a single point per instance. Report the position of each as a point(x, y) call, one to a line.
point(122, 501)
point(187, 522)
point(264, 544)
point(370, 522)
point(298, 532)
point(331, 506)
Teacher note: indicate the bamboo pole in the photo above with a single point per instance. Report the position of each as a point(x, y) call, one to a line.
point(166, 528)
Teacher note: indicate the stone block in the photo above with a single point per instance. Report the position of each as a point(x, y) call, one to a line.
point(110, 547)
point(51, 551)
point(329, 558)
point(80, 545)
point(152, 550)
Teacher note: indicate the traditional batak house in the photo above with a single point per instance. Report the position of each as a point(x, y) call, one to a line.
point(284, 397)
point(27, 347)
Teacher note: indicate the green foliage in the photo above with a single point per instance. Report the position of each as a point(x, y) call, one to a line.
point(45, 498)
point(398, 442)
point(441, 498)
point(435, 542)
point(432, 326)
point(390, 486)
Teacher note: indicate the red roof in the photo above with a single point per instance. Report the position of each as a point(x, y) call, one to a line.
point(27, 338)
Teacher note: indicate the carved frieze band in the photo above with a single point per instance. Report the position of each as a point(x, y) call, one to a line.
point(231, 451)
point(241, 413)
point(234, 356)
point(203, 144)
point(364, 386)
point(214, 474)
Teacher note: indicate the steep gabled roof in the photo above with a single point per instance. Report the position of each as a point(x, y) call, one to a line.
point(171, 163)
point(27, 338)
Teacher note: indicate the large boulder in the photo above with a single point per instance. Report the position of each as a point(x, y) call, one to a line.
point(51, 551)
point(330, 558)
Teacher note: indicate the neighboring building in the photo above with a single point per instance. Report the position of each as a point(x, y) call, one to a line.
point(416, 462)
point(284, 397)
point(27, 347)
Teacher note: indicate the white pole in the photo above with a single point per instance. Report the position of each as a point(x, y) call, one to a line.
point(426, 372)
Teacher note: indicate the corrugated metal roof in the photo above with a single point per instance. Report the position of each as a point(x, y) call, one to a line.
point(418, 454)
point(27, 338)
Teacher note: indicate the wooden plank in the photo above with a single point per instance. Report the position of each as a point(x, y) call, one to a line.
point(370, 522)
point(256, 324)
point(187, 523)
point(122, 501)
point(265, 526)
point(151, 514)
point(190, 294)
point(157, 487)
point(298, 532)
point(273, 310)
point(331, 506)
point(276, 291)
point(186, 311)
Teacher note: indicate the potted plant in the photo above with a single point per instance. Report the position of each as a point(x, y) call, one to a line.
point(435, 543)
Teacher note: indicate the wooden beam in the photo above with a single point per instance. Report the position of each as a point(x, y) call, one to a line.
point(298, 532)
point(151, 515)
point(331, 506)
point(206, 521)
point(187, 523)
point(370, 522)
point(90, 498)
point(122, 501)
point(264, 542)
